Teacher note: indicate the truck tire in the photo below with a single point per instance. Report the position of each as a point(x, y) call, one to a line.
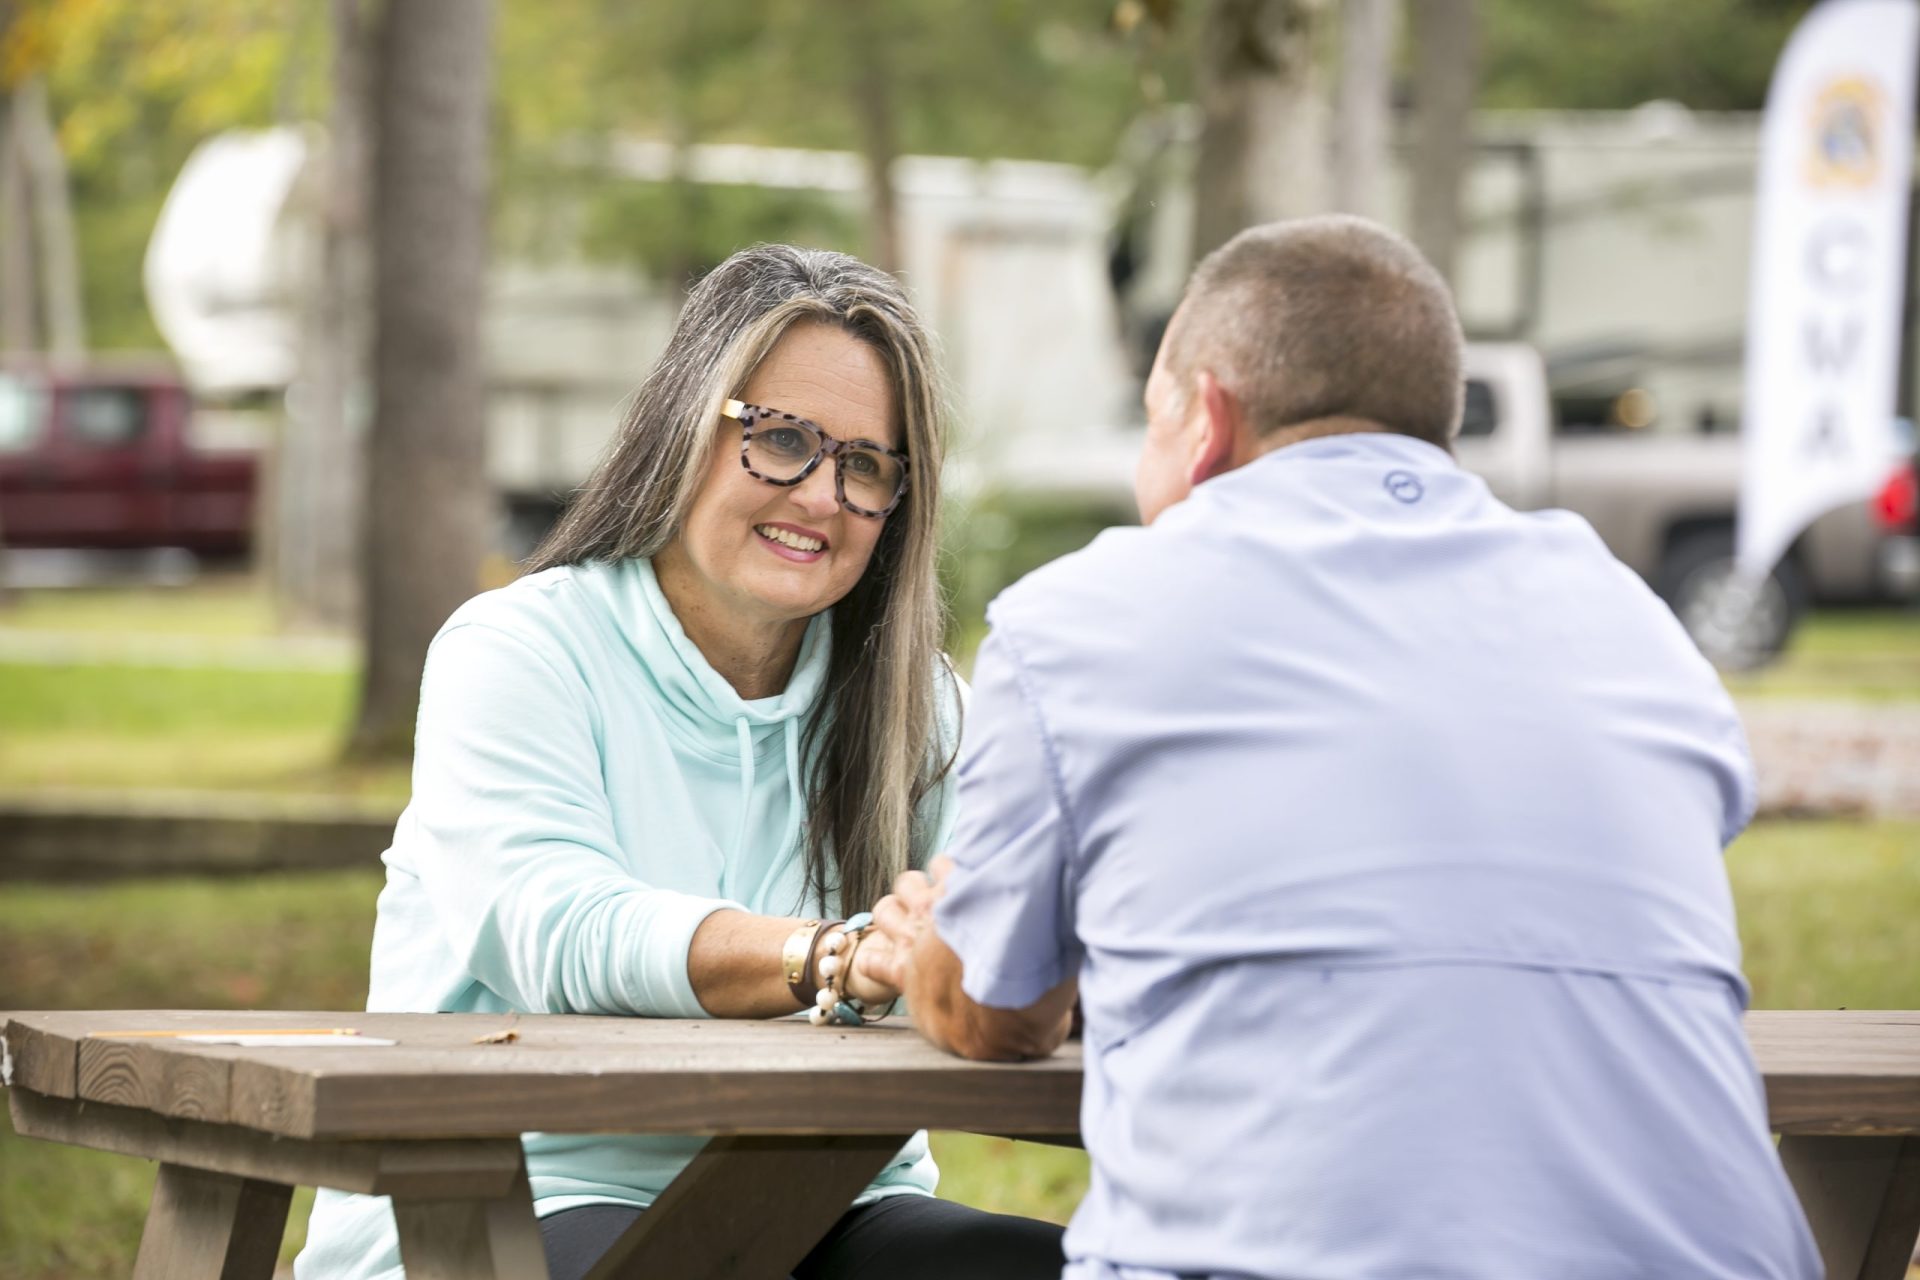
point(1697, 582)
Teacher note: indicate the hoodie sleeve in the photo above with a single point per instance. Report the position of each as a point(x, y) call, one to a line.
point(513, 840)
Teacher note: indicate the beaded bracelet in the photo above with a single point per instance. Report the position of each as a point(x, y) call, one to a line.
point(833, 1006)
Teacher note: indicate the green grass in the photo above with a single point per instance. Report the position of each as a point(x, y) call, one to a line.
point(228, 608)
point(120, 727)
point(1830, 913)
point(1867, 655)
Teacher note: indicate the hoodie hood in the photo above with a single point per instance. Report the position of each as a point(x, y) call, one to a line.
point(705, 713)
point(699, 696)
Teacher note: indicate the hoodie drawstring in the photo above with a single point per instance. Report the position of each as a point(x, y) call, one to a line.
point(796, 804)
point(746, 801)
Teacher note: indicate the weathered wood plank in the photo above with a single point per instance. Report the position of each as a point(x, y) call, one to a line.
point(471, 1240)
point(747, 1208)
point(148, 1075)
point(40, 1058)
point(816, 1101)
point(204, 1225)
point(1862, 1199)
point(473, 1168)
point(1836, 1072)
point(1839, 1071)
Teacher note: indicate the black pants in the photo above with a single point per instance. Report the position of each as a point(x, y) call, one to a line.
point(908, 1237)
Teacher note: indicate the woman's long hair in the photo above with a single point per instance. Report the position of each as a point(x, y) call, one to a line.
point(871, 740)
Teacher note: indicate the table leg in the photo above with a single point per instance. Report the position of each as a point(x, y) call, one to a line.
point(748, 1208)
point(211, 1226)
point(1862, 1197)
point(466, 1239)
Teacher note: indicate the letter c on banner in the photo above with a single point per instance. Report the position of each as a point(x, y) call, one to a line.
point(1837, 255)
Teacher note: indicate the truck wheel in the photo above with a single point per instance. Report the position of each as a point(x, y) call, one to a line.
point(1734, 632)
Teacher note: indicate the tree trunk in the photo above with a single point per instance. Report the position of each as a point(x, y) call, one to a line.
point(1263, 136)
point(64, 309)
point(872, 89)
point(1363, 113)
point(428, 508)
point(1445, 76)
point(317, 565)
point(18, 287)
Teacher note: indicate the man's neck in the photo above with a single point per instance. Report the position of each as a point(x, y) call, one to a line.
point(1314, 429)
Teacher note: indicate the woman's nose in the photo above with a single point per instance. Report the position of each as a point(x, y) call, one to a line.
point(815, 495)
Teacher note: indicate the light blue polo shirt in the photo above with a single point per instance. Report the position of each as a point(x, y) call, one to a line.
point(1383, 827)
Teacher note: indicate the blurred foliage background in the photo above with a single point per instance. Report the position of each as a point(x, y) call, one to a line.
point(136, 85)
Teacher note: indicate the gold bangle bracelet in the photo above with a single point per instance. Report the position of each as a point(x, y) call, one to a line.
point(794, 955)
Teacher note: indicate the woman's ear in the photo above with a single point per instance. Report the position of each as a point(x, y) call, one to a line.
point(1216, 441)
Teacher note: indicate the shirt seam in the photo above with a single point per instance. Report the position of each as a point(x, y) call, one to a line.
point(1068, 947)
point(1055, 779)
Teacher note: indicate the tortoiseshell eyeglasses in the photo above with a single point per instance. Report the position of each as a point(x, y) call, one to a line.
point(779, 448)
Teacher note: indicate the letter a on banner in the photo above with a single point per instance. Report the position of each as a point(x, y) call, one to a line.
point(1829, 272)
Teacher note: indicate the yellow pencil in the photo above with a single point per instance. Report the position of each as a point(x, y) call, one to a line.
point(249, 1031)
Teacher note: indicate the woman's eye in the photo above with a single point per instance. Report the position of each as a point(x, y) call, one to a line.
point(862, 464)
point(790, 441)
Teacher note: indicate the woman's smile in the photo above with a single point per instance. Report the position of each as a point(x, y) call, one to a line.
point(792, 542)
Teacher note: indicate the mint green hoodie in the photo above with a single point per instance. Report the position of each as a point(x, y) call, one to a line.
point(586, 791)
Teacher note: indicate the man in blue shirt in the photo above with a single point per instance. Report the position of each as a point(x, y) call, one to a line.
point(1377, 828)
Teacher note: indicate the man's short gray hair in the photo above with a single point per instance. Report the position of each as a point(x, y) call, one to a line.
point(1325, 317)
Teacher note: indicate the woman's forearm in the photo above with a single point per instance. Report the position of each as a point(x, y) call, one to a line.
point(734, 965)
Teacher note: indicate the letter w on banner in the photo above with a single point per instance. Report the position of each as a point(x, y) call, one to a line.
point(1829, 248)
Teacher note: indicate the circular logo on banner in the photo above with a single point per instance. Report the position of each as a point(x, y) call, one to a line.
point(1405, 486)
point(1845, 138)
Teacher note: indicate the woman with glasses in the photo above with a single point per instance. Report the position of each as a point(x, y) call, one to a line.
point(713, 716)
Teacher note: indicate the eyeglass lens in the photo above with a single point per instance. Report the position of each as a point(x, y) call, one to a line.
point(782, 450)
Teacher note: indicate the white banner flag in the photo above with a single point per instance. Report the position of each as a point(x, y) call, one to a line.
point(1828, 281)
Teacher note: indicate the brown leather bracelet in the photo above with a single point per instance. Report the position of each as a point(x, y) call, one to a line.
point(804, 985)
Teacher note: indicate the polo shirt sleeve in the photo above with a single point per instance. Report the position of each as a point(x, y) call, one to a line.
point(939, 809)
point(1008, 911)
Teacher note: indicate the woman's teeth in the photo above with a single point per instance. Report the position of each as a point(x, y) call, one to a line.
point(786, 538)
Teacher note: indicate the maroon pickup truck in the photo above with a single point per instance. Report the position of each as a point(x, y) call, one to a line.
point(102, 459)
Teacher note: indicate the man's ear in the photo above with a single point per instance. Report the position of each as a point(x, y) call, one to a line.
point(1216, 445)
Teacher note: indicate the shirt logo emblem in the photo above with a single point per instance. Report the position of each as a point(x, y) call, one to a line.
point(1404, 486)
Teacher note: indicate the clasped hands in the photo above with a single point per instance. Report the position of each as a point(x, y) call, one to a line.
point(884, 959)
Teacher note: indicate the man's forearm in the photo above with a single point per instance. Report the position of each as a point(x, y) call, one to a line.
point(951, 1019)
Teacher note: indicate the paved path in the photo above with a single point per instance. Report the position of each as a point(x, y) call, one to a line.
point(1836, 757)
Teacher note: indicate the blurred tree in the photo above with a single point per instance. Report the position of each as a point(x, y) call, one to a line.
point(134, 86)
point(1363, 107)
point(1445, 77)
point(44, 311)
point(320, 463)
point(871, 86)
point(427, 505)
point(1263, 131)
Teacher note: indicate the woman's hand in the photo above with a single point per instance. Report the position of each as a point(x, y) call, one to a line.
point(879, 968)
point(886, 954)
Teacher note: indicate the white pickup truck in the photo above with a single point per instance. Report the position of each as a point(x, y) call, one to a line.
point(1664, 503)
point(1662, 500)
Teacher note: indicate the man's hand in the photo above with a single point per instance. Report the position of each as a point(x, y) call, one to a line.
point(899, 920)
point(926, 970)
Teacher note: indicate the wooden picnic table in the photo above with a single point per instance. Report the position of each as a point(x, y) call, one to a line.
point(801, 1120)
